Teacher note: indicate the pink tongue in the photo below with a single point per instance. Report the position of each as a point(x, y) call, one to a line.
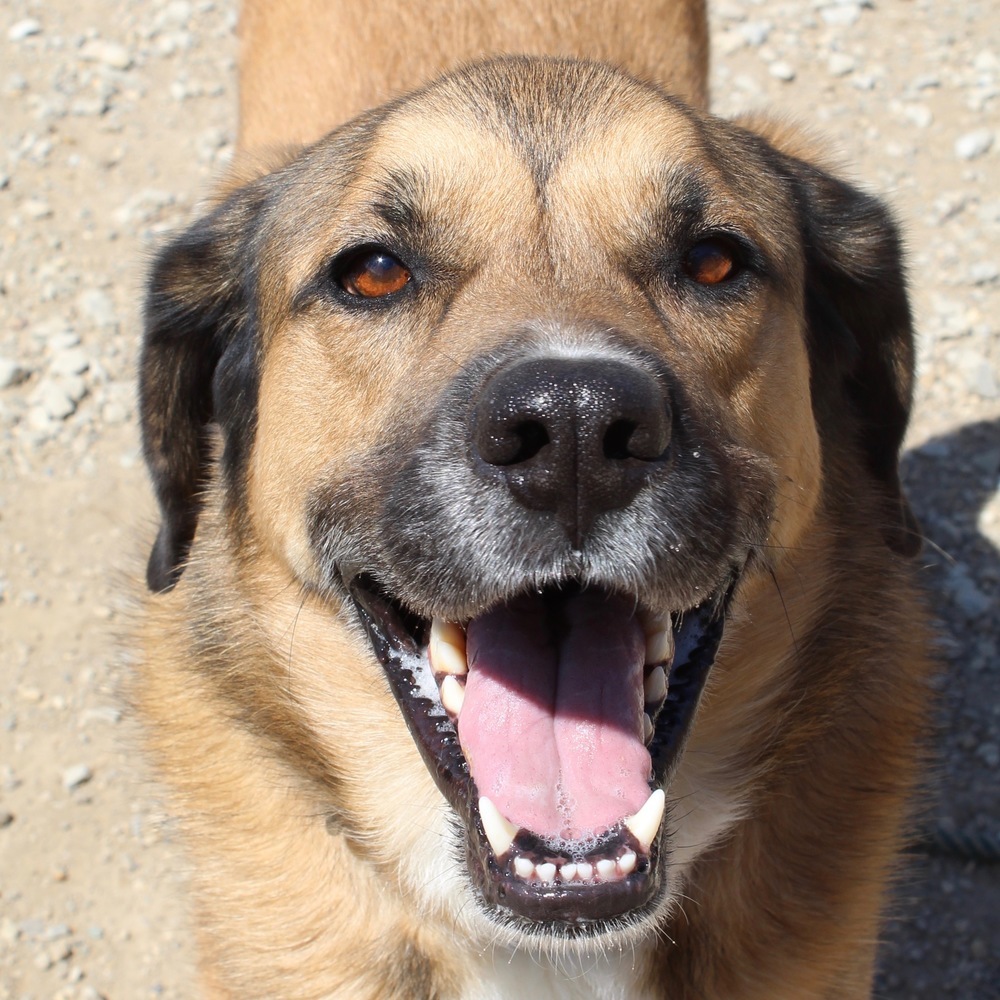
point(552, 719)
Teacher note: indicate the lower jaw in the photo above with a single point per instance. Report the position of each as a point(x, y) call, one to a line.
point(539, 907)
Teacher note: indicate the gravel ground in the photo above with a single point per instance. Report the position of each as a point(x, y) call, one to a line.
point(116, 115)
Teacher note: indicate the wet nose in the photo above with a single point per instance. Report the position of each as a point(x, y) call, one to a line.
point(574, 436)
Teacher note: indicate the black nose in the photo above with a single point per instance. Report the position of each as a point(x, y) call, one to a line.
point(575, 436)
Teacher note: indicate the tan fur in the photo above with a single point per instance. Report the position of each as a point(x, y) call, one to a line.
point(310, 65)
point(315, 831)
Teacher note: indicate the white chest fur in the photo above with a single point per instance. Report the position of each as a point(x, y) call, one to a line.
point(524, 976)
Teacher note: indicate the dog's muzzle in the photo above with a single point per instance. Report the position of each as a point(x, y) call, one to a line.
point(545, 584)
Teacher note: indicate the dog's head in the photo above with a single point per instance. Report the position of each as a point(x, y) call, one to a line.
point(527, 374)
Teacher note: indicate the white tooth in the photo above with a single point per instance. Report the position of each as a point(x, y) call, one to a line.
point(585, 871)
point(524, 867)
point(655, 686)
point(647, 727)
point(660, 646)
point(546, 872)
point(606, 868)
point(626, 863)
point(452, 695)
point(499, 832)
point(647, 820)
point(568, 872)
point(447, 648)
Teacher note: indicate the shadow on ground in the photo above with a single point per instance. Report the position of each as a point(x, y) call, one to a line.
point(946, 930)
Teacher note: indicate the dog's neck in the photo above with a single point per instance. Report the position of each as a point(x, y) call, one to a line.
point(296, 85)
point(504, 975)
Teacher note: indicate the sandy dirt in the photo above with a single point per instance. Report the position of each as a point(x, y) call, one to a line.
point(116, 114)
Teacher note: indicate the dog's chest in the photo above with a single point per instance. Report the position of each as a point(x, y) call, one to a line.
point(522, 976)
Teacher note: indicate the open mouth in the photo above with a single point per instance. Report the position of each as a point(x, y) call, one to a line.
point(551, 724)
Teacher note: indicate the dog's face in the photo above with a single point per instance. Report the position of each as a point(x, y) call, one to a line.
point(534, 376)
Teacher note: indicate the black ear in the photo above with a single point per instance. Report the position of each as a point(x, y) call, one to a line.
point(861, 349)
point(198, 320)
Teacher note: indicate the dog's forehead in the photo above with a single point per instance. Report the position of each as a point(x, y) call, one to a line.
point(555, 122)
point(587, 147)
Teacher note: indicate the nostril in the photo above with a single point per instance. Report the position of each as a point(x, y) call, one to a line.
point(646, 440)
point(516, 444)
point(513, 444)
point(617, 438)
point(533, 437)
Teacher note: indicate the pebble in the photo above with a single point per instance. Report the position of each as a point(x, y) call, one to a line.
point(918, 114)
point(990, 754)
point(96, 306)
point(175, 14)
point(984, 272)
point(972, 145)
point(105, 714)
point(58, 396)
point(841, 15)
point(24, 29)
point(144, 207)
point(71, 361)
point(36, 208)
point(74, 777)
point(781, 70)
point(755, 33)
point(109, 54)
point(966, 594)
point(925, 81)
point(840, 64)
point(6, 818)
point(12, 373)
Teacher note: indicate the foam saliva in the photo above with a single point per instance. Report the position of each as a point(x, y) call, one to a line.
point(575, 848)
point(424, 684)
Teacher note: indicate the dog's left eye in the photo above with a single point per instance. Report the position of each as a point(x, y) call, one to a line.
point(712, 261)
point(371, 274)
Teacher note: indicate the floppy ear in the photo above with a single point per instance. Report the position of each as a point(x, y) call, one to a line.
point(861, 336)
point(198, 320)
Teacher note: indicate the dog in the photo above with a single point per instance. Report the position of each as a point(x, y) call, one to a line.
point(532, 612)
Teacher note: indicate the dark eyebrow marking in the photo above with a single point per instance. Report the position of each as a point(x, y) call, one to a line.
point(398, 204)
point(680, 208)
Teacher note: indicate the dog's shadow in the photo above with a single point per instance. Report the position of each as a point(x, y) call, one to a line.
point(952, 484)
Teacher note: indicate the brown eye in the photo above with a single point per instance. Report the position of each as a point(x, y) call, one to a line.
point(712, 261)
point(372, 274)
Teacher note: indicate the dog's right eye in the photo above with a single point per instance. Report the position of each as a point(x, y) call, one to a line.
point(371, 273)
point(712, 261)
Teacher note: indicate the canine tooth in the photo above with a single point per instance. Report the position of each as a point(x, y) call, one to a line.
point(452, 695)
point(499, 831)
point(647, 727)
point(568, 872)
point(626, 863)
point(644, 824)
point(606, 868)
point(655, 686)
point(447, 648)
point(660, 646)
point(546, 872)
point(585, 871)
point(524, 867)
